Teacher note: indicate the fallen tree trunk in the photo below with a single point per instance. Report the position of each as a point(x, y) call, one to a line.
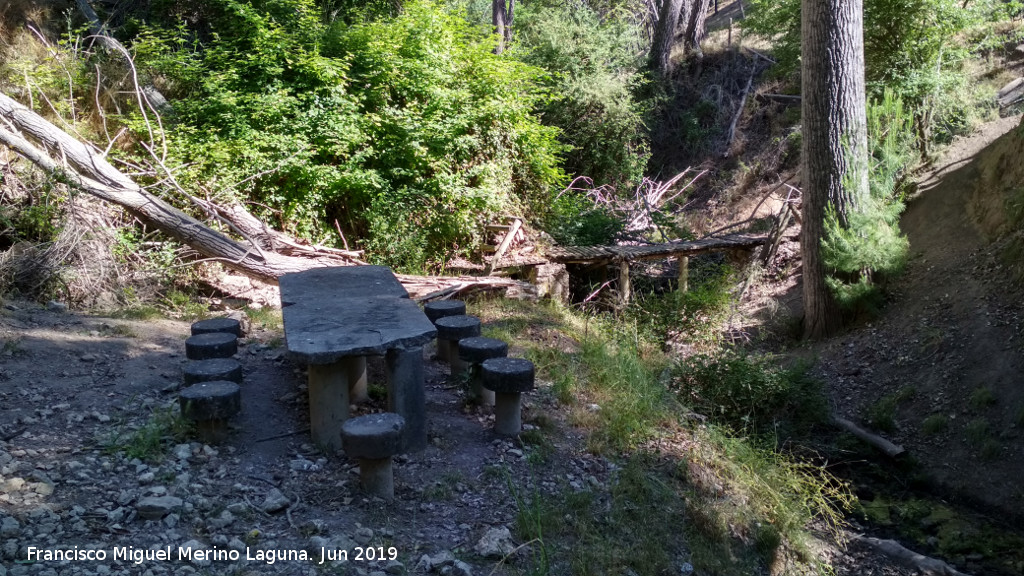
point(909, 558)
point(268, 255)
point(886, 447)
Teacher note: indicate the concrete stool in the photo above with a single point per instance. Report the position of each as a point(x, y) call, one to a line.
point(211, 345)
point(209, 405)
point(450, 330)
point(472, 352)
point(373, 439)
point(509, 378)
point(198, 371)
point(440, 309)
point(225, 325)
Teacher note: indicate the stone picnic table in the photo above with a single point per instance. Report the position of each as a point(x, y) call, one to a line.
point(333, 319)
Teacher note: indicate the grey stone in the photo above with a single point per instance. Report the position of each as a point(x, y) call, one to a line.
point(394, 567)
point(460, 568)
point(442, 308)
point(507, 375)
point(326, 331)
point(321, 284)
point(435, 562)
point(182, 451)
point(198, 371)
point(495, 543)
point(478, 348)
point(363, 536)
point(156, 507)
point(54, 306)
point(407, 396)
point(455, 328)
point(275, 501)
point(10, 527)
point(196, 545)
point(210, 400)
point(211, 345)
point(372, 436)
point(211, 325)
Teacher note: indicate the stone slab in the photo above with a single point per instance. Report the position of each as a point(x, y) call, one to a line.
point(326, 284)
point(323, 331)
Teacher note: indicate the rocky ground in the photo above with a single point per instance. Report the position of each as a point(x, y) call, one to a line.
point(80, 391)
point(85, 399)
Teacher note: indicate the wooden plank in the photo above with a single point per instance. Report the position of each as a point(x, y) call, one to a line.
point(579, 254)
point(493, 264)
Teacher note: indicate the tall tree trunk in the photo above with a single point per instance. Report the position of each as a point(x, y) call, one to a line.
point(834, 155)
point(502, 15)
point(665, 36)
point(695, 30)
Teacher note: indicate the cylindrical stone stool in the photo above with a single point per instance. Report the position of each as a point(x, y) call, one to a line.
point(450, 330)
point(198, 371)
point(211, 345)
point(209, 405)
point(372, 440)
point(441, 309)
point(225, 325)
point(473, 352)
point(508, 378)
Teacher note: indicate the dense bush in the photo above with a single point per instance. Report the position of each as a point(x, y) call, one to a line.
point(749, 393)
point(871, 247)
point(594, 69)
point(407, 132)
point(915, 48)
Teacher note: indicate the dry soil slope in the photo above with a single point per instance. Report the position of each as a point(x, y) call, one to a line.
point(953, 326)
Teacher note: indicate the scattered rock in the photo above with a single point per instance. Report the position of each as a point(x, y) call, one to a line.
point(275, 501)
point(495, 543)
point(10, 527)
point(196, 545)
point(459, 568)
point(156, 507)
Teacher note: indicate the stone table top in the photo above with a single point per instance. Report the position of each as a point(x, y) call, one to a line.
point(339, 282)
point(325, 330)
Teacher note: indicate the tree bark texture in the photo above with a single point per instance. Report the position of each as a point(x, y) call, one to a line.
point(502, 14)
point(834, 155)
point(665, 36)
point(695, 24)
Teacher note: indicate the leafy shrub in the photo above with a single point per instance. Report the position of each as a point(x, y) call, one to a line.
point(576, 221)
point(405, 132)
point(748, 392)
point(870, 247)
point(594, 71)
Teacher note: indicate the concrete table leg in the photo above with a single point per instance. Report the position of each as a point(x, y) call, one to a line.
point(328, 403)
point(406, 395)
point(357, 389)
point(377, 477)
point(508, 416)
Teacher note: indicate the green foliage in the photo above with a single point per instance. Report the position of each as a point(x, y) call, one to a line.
point(748, 392)
point(695, 315)
point(870, 246)
point(595, 71)
point(915, 48)
point(882, 414)
point(406, 131)
point(632, 529)
point(934, 424)
point(576, 221)
point(151, 440)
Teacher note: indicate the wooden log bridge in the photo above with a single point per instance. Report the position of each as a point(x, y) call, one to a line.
point(623, 255)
